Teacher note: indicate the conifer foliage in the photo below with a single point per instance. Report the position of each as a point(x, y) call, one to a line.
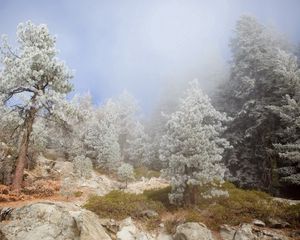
point(33, 82)
point(192, 147)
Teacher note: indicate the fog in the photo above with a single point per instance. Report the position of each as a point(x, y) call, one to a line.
point(144, 46)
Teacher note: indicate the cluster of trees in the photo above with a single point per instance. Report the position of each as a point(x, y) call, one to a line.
point(262, 97)
point(35, 113)
point(249, 134)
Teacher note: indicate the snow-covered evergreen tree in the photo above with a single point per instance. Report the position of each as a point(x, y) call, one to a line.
point(125, 173)
point(287, 168)
point(108, 149)
point(192, 147)
point(262, 72)
point(33, 82)
point(138, 147)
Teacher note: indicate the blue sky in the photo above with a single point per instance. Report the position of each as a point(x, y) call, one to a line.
point(143, 45)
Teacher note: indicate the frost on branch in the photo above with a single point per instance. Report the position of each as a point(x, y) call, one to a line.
point(192, 146)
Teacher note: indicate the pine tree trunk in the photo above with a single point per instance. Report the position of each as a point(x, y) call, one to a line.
point(21, 161)
point(190, 195)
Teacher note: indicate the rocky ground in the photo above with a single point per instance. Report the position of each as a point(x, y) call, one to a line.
point(63, 218)
point(67, 221)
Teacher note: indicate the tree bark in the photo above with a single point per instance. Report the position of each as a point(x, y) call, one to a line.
point(23, 150)
point(190, 195)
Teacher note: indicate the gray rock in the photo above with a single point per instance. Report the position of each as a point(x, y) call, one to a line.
point(110, 225)
point(161, 225)
point(52, 221)
point(148, 214)
point(63, 168)
point(90, 227)
point(130, 232)
point(258, 223)
point(244, 232)
point(277, 223)
point(251, 232)
point(164, 236)
point(126, 222)
point(227, 232)
point(270, 235)
point(127, 233)
point(192, 231)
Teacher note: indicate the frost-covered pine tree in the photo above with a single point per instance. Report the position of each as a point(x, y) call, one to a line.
point(138, 146)
point(82, 118)
point(286, 168)
point(125, 173)
point(192, 147)
point(257, 80)
point(33, 81)
point(108, 148)
point(117, 118)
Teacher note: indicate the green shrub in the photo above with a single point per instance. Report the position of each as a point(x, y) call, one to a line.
point(241, 206)
point(193, 215)
point(244, 206)
point(159, 195)
point(119, 205)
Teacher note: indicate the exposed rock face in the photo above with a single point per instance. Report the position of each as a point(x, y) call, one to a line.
point(52, 221)
point(110, 225)
point(47, 168)
point(193, 231)
point(227, 232)
point(97, 184)
point(244, 233)
point(164, 236)
point(249, 232)
point(258, 223)
point(66, 221)
point(130, 232)
point(64, 170)
point(277, 223)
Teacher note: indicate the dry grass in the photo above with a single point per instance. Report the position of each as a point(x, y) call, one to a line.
point(38, 189)
point(42, 188)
